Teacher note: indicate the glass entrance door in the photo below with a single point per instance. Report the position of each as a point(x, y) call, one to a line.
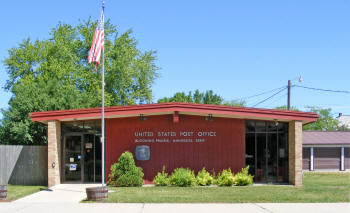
point(92, 158)
point(89, 156)
point(266, 153)
point(82, 157)
point(271, 157)
point(266, 150)
point(261, 157)
point(98, 162)
point(72, 158)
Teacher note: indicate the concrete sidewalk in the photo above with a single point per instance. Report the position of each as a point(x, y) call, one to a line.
point(174, 208)
point(62, 193)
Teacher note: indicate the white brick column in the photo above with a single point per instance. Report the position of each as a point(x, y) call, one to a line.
point(53, 153)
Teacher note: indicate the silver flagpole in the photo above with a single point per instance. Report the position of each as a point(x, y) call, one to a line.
point(103, 104)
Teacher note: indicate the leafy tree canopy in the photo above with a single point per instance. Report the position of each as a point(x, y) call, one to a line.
point(285, 108)
point(325, 122)
point(53, 74)
point(207, 97)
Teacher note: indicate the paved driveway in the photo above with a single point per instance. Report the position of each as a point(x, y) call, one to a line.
point(66, 197)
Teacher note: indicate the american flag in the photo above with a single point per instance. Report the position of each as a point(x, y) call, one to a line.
point(97, 43)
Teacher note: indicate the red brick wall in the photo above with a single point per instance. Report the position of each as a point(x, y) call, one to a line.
point(224, 150)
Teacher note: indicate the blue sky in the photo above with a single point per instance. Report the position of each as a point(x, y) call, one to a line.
point(236, 48)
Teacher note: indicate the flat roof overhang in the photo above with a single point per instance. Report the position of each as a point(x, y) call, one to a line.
point(325, 145)
point(171, 108)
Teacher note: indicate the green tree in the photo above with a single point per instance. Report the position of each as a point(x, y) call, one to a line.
point(325, 122)
point(53, 74)
point(236, 103)
point(285, 108)
point(208, 97)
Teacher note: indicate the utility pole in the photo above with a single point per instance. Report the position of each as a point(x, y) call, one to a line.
point(288, 99)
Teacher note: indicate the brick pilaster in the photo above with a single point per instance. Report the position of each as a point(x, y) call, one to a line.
point(295, 153)
point(53, 152)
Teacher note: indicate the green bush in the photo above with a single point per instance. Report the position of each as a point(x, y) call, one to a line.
point(243, 178)
point(131, 178)
point(161, 179)
point(125, 163)
point(225, 178)
point(204, 178)
point(125, 172)
point(183, 177)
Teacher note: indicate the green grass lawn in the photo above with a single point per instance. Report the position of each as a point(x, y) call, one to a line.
point(317, 187)
point(15, 192)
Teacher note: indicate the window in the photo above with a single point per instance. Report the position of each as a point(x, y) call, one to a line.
point(266, 150)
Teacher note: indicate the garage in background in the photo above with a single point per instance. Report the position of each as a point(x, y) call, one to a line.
point(326, 150)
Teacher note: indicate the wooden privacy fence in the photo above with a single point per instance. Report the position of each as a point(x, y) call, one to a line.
point(23, 165)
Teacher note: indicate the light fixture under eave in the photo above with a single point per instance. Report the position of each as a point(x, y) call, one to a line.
point(142, 117)
point(276, 122)
point(75, 122)
point(209, 117)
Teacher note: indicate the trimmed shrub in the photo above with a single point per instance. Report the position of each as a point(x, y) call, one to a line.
point(225, 178)
point(215, 177)
point(243, 178)
point(183, 177)
point(125, 163)
point(131, 178)
point(161, 179)
point(125, 172)
point(204, 178)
